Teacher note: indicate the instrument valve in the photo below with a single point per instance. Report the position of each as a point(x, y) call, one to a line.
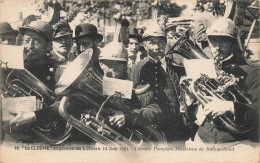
point(88, 123)
point(100, 129)
point(87, 116)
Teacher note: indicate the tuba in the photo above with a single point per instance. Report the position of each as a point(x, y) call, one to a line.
point(87, 109)
point(224, 87)
point(20, 83)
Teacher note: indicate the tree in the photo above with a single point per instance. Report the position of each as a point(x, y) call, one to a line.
point(166, 7)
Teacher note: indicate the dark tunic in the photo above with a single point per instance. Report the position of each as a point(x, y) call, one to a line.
point(160, 102)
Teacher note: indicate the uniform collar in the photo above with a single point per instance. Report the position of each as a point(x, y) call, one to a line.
point(162, 62)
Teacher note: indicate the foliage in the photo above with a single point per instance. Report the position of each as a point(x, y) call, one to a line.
point(133, 9)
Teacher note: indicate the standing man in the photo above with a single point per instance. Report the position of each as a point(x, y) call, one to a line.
point(124, 32)
point(221, 39)
point(7, 34)
point(37, 41)
point(170, 31)
point(86, 36)
point(37, 38)
point(62, 43)
point(202, 22)
point(134, 55)
point(160, 103)
point(61, 48)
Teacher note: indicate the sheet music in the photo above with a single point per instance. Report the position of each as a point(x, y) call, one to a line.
point(11, 56)
point(195, 67)
point(17, 104)
point(111, 86)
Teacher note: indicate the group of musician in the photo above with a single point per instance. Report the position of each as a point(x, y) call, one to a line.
point(164, 103)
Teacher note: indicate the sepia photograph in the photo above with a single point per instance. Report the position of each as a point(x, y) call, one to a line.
point(129, 81)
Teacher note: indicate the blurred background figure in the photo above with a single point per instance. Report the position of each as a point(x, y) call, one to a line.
point(170, 30)
point(134, 55)
point(124, 32)
point(202, 22)
point(7, 34)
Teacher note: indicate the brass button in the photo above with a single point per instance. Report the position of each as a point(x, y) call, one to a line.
point(48, 78)
point(51, 69)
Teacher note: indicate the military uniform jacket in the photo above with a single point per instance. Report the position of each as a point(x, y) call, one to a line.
point(245, 115)
point(162, 96)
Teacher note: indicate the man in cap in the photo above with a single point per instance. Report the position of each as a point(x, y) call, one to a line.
point(170, 30)
point(37, 41)
point(87, 36)
point(7, 34)
point(62, 43)
point(160, 102)
point(221, 39)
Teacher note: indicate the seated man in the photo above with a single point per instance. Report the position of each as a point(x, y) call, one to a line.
point(7, 34)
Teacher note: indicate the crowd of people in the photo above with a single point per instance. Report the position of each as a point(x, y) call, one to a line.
point(148, 61)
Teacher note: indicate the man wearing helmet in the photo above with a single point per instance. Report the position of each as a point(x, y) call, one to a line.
point(113, 61)
point(221, 39)
point(160, 102)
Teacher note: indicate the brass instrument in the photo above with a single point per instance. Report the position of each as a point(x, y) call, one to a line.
point(87, 109)
point(224, 87)
point(20, 83)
